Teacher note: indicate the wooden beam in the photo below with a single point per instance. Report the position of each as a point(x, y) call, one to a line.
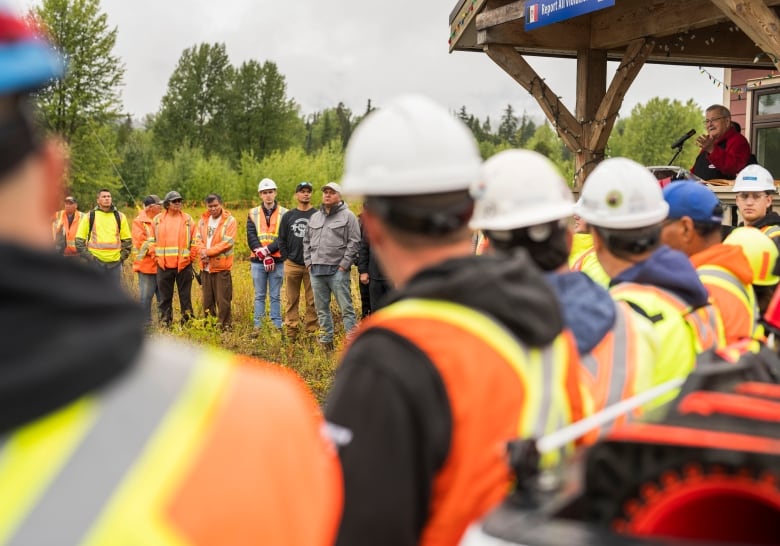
point(757, 21)
point(591, 82)
point(631, 20)
point(506, 14)
point(572, 37)
point(566, 125)
point(462, 21)
point(633, 61)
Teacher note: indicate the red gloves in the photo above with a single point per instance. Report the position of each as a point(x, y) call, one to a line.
point(268, 263)
point(261, 252)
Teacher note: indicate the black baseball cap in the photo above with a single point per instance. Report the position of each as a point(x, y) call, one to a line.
point(303, 186)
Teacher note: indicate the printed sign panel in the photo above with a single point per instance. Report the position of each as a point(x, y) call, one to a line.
point(546, 12)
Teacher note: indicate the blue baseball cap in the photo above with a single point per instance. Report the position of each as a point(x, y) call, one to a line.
point(27, 62)
point(697, 201)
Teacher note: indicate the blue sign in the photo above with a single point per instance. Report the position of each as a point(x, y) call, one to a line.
point(545, 12)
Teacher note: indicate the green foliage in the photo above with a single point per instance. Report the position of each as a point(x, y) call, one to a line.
point(89, 92)
point(330, 125)
point(646, 135)
point(93, 156)
point(195, 105)
point(138, 159)
point(262, 118)
point(507, 130)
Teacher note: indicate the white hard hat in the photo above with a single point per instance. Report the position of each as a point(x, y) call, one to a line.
point(412, 146)
point(621, 194)
point(519, 188)
point(754, 178)
point(266, 184)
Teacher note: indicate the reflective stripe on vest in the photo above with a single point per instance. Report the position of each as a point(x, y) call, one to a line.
point(270, 233)
point(771, 231)
point(116, 470)
point(721, 277)
point(489, 377)
point(706, 327)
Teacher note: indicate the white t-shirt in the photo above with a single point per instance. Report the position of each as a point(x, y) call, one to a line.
point(213, 223)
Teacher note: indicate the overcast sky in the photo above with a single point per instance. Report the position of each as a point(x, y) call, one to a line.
point(351, 51)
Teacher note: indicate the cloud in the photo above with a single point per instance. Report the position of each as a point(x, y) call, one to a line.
point(351, 51)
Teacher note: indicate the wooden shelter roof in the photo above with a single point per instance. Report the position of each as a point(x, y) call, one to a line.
point(722, 33)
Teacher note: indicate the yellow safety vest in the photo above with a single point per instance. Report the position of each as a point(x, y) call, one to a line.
point(682, 332)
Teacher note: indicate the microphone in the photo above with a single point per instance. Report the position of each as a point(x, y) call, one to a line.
point(679, 142)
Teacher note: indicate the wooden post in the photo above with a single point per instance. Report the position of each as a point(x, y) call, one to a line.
point(591, 88)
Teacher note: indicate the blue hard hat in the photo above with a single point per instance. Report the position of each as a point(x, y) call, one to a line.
point(27, 61)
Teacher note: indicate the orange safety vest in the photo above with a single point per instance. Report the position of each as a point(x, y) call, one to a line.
point(60, 225)
point(173, 240)
point(498, 389)
point(221, 251)
point(183, 451)
point(621, 365)
point(735, 301)
point(143, 249)
point(267, 233)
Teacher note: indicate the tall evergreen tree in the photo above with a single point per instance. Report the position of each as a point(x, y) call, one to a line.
point(507, 128)
point(195, 104)
point(89, 92)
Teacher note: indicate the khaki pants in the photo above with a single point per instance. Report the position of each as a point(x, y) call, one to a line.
point(294, 275)
point(218, 295)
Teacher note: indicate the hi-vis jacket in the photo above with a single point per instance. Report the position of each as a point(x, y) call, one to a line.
point(221, 251)
point(262, 233)
point(727, 276)
point(173, 240)
point(110, 241)
point(60, 226)
point(618, 347)
point(684, 327)
point(583, 258)
point(443, 385)
point(184, 451)
point(144, 260)
point(128, 439)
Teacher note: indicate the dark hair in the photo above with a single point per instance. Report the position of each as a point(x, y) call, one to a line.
point(101, 190)
point(213, 197)
point(427, 215)
point(545, 243)
point(705, 229)
point(628, 243)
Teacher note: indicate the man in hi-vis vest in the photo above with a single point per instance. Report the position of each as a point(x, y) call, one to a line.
point(108, 437)
point(466, 355)
point(623, 204)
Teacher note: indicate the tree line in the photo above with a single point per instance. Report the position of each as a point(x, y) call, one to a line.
point(222, 127)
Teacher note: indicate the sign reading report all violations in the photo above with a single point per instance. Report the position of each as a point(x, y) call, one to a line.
point(545, 12)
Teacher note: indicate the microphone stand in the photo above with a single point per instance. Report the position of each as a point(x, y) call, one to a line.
point(679, 149)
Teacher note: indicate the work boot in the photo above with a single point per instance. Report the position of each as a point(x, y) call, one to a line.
point(326, 345)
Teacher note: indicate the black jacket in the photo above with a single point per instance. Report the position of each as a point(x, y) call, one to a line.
point(392, 398)
point(292, 228)
point(69, 331)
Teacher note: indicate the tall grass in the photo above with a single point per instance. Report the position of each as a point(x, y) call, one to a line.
point(304, 355)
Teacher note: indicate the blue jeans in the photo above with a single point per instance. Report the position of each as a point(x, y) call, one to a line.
point(272, 281)
point(147, 289)
point(338, 284)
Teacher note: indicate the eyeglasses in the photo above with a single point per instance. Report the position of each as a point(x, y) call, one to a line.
point(755, 196)
point(176, 200)
point(707, 121)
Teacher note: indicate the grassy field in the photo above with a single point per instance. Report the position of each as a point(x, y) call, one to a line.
point(304, 356)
